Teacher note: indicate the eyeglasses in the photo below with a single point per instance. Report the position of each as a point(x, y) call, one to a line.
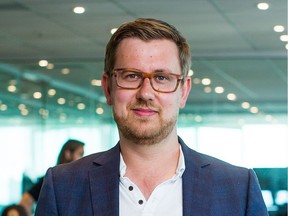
point(129, 78)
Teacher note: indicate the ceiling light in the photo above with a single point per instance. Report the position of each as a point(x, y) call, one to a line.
point(286, 46)
point(99, 111)
point(50, 66)
point(113, 30)
point(198, 118)
point(24, 112)
point(254, 110)
point(190, 72)
point(21, 106)
point(61, 101)
point(65, 71)
point(51, 92)
point(278, 28)
point(206, 81)
point(12, 88)
point(207, 89)
point(81, 106)
point(3, 107)
point(37, 95)
point(284, 38)
point(43, 112)
point(79, 10)
point(231, 96)
point(96, 82)
point(43, 63)
point(245, 105)
point(263, 6)
point(219, 90)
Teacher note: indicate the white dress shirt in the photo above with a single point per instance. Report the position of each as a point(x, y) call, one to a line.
point(165, 200)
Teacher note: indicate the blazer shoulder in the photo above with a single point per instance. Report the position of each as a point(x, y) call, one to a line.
point(88, 162)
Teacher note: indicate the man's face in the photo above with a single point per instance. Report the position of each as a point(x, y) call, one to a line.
point(144, 115)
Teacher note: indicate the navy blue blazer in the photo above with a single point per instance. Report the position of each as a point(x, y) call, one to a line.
point(90, 186)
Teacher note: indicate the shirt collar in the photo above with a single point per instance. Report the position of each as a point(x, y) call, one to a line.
point(179, 171)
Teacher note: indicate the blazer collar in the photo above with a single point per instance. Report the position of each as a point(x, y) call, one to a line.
point(196, 196)
point(104, 183)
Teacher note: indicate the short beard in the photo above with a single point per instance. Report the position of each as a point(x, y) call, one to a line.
point(143, 136)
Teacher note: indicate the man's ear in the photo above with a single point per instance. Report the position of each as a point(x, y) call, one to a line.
point(106, 88)
point(185, 91)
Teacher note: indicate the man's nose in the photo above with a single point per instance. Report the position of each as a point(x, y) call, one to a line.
point(146, 92)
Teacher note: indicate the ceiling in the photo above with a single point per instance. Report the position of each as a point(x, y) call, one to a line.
point(232, 43)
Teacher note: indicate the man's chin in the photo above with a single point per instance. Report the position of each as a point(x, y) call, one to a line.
point(143, 139)
point(145, 130)
point(145, 134)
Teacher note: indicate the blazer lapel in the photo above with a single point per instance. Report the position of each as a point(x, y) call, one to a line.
point(104, 183)
point(196, 194)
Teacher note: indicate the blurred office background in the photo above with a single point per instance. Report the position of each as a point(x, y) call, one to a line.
point(51, 62)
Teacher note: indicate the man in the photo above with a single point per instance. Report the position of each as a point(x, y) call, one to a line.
point(150, 171)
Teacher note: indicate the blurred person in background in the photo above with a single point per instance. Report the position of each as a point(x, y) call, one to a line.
point(14, 210)
point(72, 150)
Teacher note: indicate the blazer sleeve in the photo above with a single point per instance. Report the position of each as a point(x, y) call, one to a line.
point(255, 203)
point(46, 205)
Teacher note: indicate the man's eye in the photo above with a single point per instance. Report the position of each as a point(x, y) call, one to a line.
point(162, 77)
point(131, 76)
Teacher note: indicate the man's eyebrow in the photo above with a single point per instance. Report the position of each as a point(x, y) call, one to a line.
point(162, 70)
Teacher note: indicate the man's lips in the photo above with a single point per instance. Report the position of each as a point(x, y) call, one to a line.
point(144, 111)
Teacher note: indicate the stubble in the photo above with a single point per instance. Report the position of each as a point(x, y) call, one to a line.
point(145, 130)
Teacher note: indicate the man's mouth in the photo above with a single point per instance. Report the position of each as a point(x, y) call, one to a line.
point(144, 111)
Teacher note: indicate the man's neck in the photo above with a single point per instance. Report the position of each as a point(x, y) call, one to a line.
point(150, 165)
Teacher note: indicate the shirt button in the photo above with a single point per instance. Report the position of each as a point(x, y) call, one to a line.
point(140, 202)
point(130, 188)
